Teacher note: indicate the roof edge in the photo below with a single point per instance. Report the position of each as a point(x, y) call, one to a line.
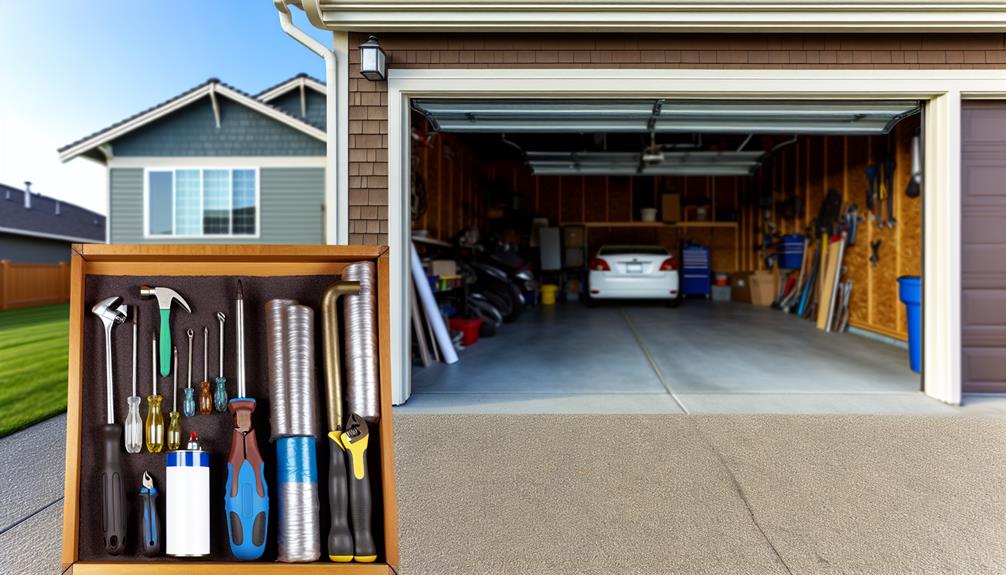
point(286, 86)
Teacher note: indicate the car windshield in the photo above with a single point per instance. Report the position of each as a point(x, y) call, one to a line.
point(625, 250)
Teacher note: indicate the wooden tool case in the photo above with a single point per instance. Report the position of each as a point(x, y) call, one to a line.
point(205, 276)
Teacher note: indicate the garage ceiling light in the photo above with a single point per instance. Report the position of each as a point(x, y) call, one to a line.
point(678, 116)
point(691, 163)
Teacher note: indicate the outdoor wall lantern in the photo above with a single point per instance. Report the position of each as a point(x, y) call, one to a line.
point(372, 60)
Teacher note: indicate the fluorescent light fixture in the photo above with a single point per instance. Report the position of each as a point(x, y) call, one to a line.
point(690, 163)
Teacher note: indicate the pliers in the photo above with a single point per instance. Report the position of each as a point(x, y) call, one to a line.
point(151, 523)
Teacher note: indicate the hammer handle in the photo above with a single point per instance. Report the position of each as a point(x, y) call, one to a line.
point(165, 342)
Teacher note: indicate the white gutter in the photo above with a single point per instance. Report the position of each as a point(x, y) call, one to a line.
point(335, 212)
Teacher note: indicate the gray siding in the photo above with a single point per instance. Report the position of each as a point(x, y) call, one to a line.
point(290, 103)
point(291, 201)
point(192, 131)
point(33, 250)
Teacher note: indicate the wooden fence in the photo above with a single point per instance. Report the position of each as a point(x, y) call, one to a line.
point(26, 285)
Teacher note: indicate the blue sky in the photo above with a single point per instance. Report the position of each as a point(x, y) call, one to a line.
point(71, 67)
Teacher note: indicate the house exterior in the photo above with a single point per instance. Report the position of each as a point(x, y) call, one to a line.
point(217, 165)
point(37, 229)
point(948, 59)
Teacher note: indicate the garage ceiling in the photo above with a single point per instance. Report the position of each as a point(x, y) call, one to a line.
point(691, 163)
point(810, 117)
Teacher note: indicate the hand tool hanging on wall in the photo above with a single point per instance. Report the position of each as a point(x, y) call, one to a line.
point(220, 389)
point(340, 538)
point(290, 338)
point(113, 497)
point(889, 166)
point(355, 440)
point(165, 297)
point(852, 221)
point(155, 420)
point(360, 329)
point(874, 252)
point(872, 185)
point(174, 418)
point(247, 497)
point(134, 427)
point(189, 404)
point(151, 522)
point(914, 187)
point(205, 395)
point(187, 501)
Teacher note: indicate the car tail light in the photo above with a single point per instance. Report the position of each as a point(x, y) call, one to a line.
point(669, 265)
point(599, 265)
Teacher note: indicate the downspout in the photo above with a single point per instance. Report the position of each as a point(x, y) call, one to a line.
point(334, 233)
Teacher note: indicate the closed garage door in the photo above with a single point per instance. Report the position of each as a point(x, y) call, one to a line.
point(984, 237)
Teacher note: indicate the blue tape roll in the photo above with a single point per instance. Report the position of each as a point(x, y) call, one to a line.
point(296, 460)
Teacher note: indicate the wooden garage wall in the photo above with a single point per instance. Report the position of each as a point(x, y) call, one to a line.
point(566, 200)
point(812, 166)
point(451, 172)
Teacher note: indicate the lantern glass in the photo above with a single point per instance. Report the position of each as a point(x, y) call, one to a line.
point(372, 60)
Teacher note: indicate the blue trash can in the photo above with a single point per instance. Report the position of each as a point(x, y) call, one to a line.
point(910, 293)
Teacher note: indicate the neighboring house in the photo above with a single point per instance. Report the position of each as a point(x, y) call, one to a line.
point(945, 56)
point(39, 229)
point(217, 165)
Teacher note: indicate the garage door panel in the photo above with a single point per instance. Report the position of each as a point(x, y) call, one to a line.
point(983, 369)
point(984, 227)
point(984, 123)
point(985, 182)
point(984, 259)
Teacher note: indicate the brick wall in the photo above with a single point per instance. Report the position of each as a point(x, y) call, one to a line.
point(368, 125)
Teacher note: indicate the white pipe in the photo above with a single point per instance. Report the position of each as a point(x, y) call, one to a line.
point(450, 355)
point(332, 232)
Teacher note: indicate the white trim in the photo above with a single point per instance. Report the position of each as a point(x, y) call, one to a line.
point(33, 234)
point(213, 161)
point(941, 238)
point(110, 134)
point(760, 16)
point(295, 82)
point(209, 237)
point(337, 225)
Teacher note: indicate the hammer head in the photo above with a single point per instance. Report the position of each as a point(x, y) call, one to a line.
point(165, 296)
point(111, 311)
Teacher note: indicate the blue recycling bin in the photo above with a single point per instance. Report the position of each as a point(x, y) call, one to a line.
point(910, 293)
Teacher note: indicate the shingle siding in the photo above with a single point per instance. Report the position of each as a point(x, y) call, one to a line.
point(290, 103)
point(291, 201)
point(192, 131)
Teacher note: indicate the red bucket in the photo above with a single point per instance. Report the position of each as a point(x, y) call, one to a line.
point(469, 329)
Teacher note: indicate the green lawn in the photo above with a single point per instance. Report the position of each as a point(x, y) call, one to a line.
point(33, 356)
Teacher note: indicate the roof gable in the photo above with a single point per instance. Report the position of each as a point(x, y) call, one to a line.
point(213, 91)
point(286, 86)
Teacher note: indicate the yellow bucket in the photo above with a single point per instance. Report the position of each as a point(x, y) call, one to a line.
point(548, 292)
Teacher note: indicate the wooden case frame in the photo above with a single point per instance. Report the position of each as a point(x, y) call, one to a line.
point(220, 260)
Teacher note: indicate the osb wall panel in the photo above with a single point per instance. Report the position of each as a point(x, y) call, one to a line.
point(368, 124)
point(840, 163)
point(451, 172)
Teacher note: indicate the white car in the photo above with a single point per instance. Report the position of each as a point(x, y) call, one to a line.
point(633, 272)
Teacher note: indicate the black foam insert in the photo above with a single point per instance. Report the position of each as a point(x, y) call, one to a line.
point(206, 296)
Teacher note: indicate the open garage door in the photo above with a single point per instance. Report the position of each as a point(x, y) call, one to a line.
point(768, 192)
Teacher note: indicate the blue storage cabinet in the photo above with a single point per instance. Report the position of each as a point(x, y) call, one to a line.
point(790, 252)
point(695, 271)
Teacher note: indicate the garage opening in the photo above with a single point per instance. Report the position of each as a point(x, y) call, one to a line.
point(663, 255)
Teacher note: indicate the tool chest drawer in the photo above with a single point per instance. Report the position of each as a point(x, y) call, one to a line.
point(207, 279)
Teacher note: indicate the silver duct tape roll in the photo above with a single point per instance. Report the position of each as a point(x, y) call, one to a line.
point(279, 407)
point(360, 333)
point(299, 536)
point(301, 389)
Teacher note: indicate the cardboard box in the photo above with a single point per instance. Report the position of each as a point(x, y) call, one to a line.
point(443, 267)
point(740, 287)
point(763, 287)
point(206, 276)
point(670, 208)
point(573, 236)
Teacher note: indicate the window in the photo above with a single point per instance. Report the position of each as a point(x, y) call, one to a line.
point(202, 202)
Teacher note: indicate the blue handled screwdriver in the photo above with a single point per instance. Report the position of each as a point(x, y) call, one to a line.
point(247, 498)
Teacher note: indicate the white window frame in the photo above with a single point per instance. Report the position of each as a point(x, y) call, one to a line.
point(942, 90)
point(201, 169)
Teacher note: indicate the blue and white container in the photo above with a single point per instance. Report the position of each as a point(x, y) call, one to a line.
point(696, 271)
point(790, 252)
point(187, 501)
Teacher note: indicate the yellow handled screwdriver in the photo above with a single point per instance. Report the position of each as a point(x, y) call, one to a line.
point(174, 423)
point(155, 420)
